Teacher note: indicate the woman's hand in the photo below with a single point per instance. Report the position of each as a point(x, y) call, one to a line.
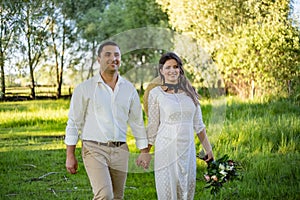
point(208, 157)
point(144, 158)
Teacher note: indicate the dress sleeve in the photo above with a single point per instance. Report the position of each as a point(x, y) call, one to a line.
point(198, 121)
point(153, 117)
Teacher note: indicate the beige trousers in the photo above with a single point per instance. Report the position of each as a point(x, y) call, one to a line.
point(106, 168)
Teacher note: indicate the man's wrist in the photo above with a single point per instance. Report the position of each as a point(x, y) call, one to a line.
point(145, 150)
point(70, 150)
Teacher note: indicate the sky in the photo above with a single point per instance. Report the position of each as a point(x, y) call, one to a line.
point(297, 8)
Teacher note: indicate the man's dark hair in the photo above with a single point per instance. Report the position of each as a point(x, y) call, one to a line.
point(106, 43)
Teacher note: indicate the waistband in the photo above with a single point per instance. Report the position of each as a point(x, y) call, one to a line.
point(108, 144)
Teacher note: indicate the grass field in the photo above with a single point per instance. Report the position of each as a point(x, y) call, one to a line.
point(264, 136)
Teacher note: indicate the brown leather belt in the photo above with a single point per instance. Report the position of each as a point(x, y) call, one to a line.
point(108, 144)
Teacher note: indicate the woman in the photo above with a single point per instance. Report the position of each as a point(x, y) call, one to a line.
point(174, 114)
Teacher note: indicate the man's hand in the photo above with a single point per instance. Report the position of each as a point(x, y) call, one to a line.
point(71, 164)
point(144, 159)
point(71, 161)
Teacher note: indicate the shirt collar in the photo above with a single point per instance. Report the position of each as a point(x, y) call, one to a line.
point(98, 79)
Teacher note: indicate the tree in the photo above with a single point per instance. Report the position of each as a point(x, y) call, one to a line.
point(87, 16)
point(62, 38)
point(102, 20)
point(8, 26)
point(262, 56)
point(133, 16)
point(35, 34)
point(253, 43)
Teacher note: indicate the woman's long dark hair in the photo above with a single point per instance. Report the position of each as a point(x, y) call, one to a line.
point(183, 82)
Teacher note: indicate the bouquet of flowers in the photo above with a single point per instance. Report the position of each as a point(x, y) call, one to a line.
point(220, 171)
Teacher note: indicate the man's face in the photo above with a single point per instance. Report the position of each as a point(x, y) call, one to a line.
point(109, 59)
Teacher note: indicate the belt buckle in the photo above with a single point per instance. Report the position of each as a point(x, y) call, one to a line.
point(110, 144)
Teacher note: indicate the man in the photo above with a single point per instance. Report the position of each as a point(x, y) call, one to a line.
point(100, 109)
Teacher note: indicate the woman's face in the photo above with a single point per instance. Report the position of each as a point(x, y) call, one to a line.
point(170, 71)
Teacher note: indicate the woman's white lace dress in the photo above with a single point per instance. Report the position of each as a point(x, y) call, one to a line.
point(172, 121)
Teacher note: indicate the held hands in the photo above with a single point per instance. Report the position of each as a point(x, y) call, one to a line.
point(144, 159)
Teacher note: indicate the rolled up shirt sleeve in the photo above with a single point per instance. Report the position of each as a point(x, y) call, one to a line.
point(136, 122)
point(76, 117)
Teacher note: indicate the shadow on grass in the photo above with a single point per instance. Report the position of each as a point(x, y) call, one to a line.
point(41, 174)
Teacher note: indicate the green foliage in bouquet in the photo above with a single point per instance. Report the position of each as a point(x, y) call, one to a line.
point(219, 172)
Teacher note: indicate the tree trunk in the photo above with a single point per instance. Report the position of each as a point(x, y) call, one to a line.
point(252, 89)
point(2, 75)
point(28, 34)
point(60, 81)
point(56, 68)
point(91, 70)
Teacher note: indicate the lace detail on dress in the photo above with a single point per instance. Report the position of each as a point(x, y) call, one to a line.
point(180, 117)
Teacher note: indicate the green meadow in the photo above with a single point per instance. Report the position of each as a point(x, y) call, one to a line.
point(262, 135)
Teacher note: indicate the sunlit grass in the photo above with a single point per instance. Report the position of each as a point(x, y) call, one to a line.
point(263, 135)
point(30, 113)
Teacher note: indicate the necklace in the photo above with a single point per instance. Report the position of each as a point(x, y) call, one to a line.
point(174, 87)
